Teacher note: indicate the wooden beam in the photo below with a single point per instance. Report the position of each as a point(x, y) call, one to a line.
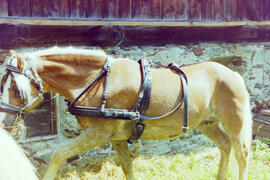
point(104, 34)
point(73, 23)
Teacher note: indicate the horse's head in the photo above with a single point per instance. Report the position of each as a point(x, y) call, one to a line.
point(21, 89)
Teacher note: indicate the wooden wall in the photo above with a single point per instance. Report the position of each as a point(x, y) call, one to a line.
point(139, 22)
point(132, 10)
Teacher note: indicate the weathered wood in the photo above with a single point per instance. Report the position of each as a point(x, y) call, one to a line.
point(219, 9)
point(58, 22)
point(77, 8)
point(94, 9)
point(141, 9)
point(125, 8)
point(3, 8)
point(195, 10)
point(23, 36)
point(261, 126)
point(111, 9)
point(208, 10)
point(39, 8)
point(265, 10)
point(169, 9)
point(19, 8)
point(156, 9)
point(58, 8)
point(182, 10)
point(260, 130)
point(233, 11)
point(251, 10)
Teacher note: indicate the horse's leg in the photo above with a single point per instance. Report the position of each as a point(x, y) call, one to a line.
point(123, 154)
point(215, 134)
point(87, 140)
point(241, 145)
point(237, 122)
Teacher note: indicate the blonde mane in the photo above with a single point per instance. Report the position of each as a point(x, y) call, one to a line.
point(65, 50)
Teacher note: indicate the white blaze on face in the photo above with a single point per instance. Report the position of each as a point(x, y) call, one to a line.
point(5, 98)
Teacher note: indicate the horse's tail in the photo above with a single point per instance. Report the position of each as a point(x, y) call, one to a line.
point(246, 132)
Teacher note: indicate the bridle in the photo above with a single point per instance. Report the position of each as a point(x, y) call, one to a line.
point(30, 73)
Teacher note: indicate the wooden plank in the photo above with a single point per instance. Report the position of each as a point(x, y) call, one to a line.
point(182, 10)
point(43, 22)
point(3, 8)
point(156, 12)
point(77, 8)
point(267, 12)
point(58, 8)
point(125, 8)
point(169, 9)
point(105, 35)
point(141, 9)
point(19, 8)
point(233, 11)
point(251, 10)
point(39, 8)
point(265, 113)
point(208, 10)
point(195, 12)
point(219, 9)
point(261, 130)
point(94, 9)
point(111, 9)
point(265, 7)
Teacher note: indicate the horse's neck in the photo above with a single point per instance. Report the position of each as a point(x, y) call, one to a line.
point(69, 77)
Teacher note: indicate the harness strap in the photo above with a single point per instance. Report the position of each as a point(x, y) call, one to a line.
point(11, 107)
point(107, 66)
point(185, 98)
point(184, 80)
point(105, 70)
point(142, 101)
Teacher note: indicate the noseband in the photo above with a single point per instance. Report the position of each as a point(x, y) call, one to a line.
point(28, 73)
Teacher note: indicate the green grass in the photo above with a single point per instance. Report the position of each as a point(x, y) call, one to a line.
point(195, 166)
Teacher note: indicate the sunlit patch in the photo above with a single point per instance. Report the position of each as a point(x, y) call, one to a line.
point(24, 86)
point(5, 98)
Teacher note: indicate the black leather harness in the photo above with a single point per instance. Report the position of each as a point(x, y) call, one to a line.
point(136, 114)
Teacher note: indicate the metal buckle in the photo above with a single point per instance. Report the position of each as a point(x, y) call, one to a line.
point(136, 116)
point(185, 129)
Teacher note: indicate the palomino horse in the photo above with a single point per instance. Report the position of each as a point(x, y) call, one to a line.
point(218, 102)
point(14, 165)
